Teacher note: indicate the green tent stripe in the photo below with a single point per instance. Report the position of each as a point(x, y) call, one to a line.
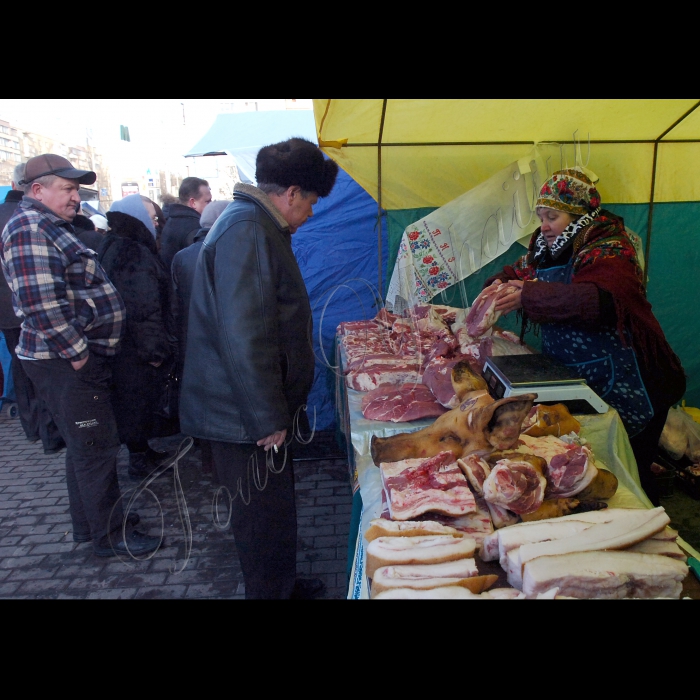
point(674, 262)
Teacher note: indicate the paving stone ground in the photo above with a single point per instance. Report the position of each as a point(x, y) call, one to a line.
point(38, 558)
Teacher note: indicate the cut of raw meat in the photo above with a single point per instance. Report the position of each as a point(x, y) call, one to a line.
point(518, 486)
point(437, 376)
point(570, 467)
point(431, 549)
point(417, 486)
point(606, 575)
point(400, 373)
point(482, 314)
point(402, 403)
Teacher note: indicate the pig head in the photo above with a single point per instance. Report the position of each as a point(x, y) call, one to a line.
point(478, 423)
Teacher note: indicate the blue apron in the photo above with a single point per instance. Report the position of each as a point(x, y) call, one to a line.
point(599, 357)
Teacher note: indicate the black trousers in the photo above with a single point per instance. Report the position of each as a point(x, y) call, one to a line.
point(645, 446)
point(34, 415)
point(81, 406)
point(263, 516)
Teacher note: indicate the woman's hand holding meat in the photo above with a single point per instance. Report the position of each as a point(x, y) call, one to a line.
point(511, 301)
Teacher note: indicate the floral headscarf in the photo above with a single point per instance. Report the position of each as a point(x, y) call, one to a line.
point(570, 191)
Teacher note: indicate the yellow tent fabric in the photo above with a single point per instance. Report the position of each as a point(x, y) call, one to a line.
point(415, 156)
point(432, 151)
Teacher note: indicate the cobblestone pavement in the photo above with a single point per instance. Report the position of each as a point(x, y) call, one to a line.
point(38, 558)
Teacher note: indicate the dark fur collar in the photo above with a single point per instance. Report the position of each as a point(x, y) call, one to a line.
point(126, 226)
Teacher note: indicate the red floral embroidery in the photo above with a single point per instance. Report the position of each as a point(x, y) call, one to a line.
point(413, 235)
point(428, 259)
point(434, 270)
point(442, 285)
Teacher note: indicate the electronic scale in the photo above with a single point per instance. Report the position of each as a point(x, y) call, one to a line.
point(552, 381)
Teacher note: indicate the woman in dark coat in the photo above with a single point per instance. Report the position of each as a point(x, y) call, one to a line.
point(581, 282)
point(129, 256)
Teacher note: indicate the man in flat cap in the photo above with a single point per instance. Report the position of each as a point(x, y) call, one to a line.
point(250, 365)
point(72, 321)
point(35, 417)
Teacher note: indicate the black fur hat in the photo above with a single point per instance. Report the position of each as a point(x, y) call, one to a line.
point(297, 162)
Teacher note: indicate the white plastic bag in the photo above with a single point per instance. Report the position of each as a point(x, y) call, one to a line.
point(681, 436)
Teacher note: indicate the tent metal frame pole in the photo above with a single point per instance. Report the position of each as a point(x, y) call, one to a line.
point(379, 201)
point(379, 145)
point(647, 248)
point(390, 144)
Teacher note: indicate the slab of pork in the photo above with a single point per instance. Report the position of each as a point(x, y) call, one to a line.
point(424, 576)
point(476, 525)
point(606, 574)
point(372, 377)
point(401, 403)
point(627, 527)
point(500, 542)
point(417, 486)
point(431, 549)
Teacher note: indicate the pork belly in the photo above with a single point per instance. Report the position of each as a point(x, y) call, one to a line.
point(496, 545)
point(430, 549)
point(442, 593)
point(489, 546)
point(477, 525)
point(606, 574)
point(349, 327)
point(668, 533)
point(627, 527)
point(417, 486)
point(666, 548)
point(502, 594)
point(400, 372)
point(379, 527)
point(541, 531)
point(461, 572)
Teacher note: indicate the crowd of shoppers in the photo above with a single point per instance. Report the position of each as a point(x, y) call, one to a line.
point(100, 311)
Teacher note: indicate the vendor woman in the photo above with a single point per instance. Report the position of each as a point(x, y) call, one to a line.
point(580, 280)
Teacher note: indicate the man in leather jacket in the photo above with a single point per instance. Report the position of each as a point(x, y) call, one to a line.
point(249, 365)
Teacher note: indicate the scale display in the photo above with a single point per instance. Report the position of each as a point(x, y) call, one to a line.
point(552, 381)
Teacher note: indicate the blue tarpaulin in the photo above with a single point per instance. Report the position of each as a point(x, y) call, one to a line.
point(337, 248)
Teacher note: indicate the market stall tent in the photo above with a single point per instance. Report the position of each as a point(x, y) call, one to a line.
point(414, 156)
point(336, 248)
point(242, 134)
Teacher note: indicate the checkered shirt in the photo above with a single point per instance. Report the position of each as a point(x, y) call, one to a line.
point(60, 291)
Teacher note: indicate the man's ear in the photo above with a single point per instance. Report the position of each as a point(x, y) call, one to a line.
point(292, 193)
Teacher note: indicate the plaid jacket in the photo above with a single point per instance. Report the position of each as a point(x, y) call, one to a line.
point(67, 304)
